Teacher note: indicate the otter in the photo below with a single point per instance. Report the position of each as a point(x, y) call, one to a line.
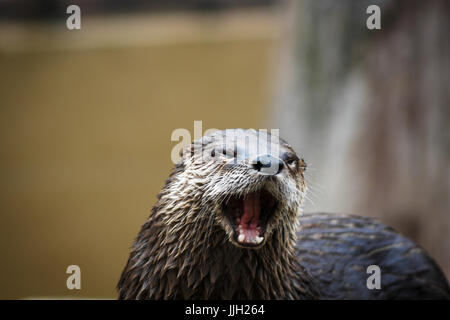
point(229, 225)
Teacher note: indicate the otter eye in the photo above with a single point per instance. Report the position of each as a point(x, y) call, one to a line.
point(291, 160)
point(292, 163)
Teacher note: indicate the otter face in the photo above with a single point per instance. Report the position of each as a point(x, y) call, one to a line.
point(250, 181)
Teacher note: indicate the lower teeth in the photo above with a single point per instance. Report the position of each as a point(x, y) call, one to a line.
point(257, 240)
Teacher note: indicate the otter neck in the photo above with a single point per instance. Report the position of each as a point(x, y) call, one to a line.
point(181, 253)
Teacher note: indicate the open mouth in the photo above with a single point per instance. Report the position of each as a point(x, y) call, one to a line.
point(249, 215)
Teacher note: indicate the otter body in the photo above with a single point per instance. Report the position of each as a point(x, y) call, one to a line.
point(337, 250)
point(228, 225)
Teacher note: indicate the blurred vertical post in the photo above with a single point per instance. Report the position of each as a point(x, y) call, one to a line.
point(369, 111)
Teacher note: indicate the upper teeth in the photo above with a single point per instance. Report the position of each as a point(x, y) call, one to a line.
point(241, 238)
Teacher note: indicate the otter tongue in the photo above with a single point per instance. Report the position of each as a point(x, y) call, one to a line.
point(250, 219)
point(252, 208)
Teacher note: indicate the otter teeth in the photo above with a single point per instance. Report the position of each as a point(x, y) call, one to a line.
point(256, 240)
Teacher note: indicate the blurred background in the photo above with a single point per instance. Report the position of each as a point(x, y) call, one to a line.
point(86, 118)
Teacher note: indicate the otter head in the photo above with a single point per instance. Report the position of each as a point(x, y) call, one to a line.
point(250, 183)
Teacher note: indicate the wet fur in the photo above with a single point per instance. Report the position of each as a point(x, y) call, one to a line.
point(184, 251)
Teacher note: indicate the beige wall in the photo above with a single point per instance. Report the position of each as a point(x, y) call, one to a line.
point(85, 135)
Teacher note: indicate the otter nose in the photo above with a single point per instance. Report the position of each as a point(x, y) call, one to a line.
point(267, 164)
